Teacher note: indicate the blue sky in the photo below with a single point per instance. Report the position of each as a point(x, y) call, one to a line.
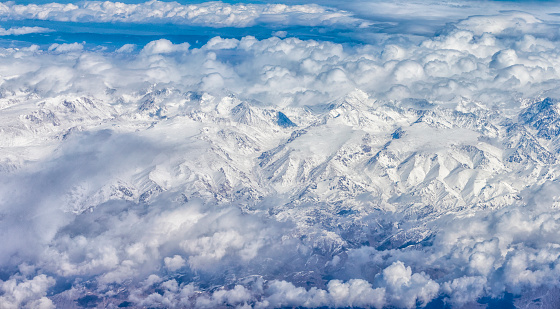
point(385, 18)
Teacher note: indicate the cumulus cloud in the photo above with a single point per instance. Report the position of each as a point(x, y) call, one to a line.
point(174, 263)
point(426, 17)
point(511, 23)
point(19, 292)
point(355, 293)
point(399, 287)
point(161, 46)
point(407, 289)
point(210, 14)
point(463, 63)
point(66, 47)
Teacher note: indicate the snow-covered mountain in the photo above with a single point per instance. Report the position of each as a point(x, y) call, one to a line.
point(319, 183)
point(371, 154)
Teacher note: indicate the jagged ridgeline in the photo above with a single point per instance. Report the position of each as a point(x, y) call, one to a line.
point(227, 193)
point(328, 154)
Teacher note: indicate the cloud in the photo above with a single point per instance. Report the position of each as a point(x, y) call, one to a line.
point(280, 34)
point(209, 14)
point(506, 23)
point(406, 290)
point(126, 48)
point(66, 47)
point(18, 292)
point(427, 18)
point(162, 46)
point(465, 289)
point(276, 294)
point(174, 263)
point(463, 63)
point(24, 30)
point(162, 170)
point(358, 293)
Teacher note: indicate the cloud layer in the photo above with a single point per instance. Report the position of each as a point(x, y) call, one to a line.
point(279, 172)
point(209, 14)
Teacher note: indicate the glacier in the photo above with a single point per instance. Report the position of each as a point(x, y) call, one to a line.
point(403, 170)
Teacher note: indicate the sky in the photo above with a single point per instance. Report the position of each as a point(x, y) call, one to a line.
point(408, 18)
point(143, 162)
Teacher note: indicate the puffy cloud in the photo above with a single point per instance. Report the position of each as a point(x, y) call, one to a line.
point(280, 34)
point(18, 292)
point(219, 43)
point(428, 17)
point(239, 295)
point(126, 48)
point(65, 47)
point(210, 14)
point(509, 22)
point(465, 289)
point(162, 46)
point(406, 290)
point(458, 64)
point(356, 293)
point(174, 263)
point(504, 58)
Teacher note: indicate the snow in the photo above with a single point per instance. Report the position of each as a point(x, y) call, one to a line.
point(281, 171)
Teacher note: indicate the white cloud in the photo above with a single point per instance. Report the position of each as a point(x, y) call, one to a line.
point(465, 289)
point(458, 64)
point(18, 292)
point(126, 48)
point(405, 289)
point(219, 43)
point(164, 169)
point(280, 34)
point(174, 263)
point(356, 293)
point(66, 47)
point(24, 30)
point(210, 14)
point(163, 46)
point(427, 17)
point(499, 24)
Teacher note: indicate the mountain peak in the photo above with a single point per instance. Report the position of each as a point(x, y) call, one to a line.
point(284, 121)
